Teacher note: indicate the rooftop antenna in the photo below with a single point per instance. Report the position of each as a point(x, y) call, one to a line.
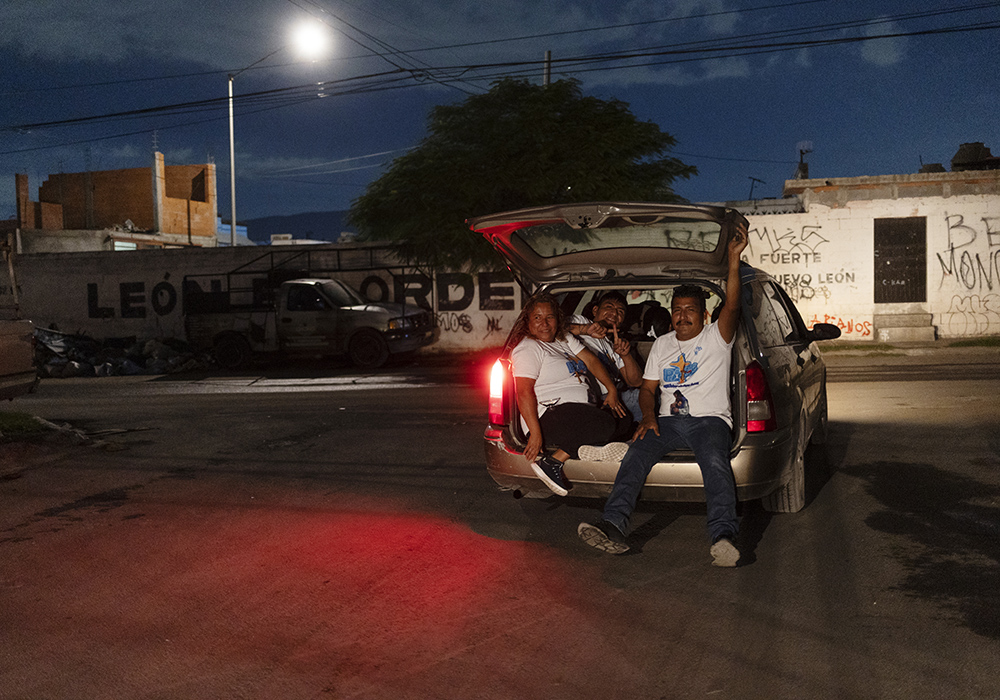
point(754, 181)
point(802, 170)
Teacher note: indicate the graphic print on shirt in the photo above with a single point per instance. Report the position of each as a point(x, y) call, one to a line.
point(680, 406)
point(576, 367)
point(679, 371)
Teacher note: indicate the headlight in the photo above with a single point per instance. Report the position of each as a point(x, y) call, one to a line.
point(400, 324)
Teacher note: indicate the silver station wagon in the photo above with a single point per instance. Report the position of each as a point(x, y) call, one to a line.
point(778, 386)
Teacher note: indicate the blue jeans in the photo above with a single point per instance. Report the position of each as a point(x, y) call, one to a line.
point(710, 439)
point(630, 397)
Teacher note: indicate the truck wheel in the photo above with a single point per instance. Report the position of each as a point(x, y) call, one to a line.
point(232, 351)
point(368, 349)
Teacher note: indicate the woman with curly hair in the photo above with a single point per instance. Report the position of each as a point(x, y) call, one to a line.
point(550, 366)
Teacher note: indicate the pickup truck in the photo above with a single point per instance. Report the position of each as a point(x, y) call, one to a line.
point(17, 359)
point(302, 317)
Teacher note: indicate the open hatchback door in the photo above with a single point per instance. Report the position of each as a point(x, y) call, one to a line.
point(602, 240)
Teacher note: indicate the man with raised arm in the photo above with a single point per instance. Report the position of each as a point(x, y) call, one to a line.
point(690, 367)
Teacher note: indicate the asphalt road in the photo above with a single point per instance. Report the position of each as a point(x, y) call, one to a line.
point(279, 535)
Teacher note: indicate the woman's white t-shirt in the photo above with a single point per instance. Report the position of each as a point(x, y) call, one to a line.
point(693, 374)
point(559, 376)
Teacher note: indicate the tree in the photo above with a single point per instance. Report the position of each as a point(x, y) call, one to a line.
point(516, 146)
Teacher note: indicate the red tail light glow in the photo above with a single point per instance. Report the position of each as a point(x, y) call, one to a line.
point(497, 380)
point(760, 407)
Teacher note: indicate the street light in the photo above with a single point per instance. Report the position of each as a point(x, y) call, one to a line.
point(309, 40)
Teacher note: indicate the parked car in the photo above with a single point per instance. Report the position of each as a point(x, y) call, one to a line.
point(17, 358)
point(778, 384)
point(302, 317)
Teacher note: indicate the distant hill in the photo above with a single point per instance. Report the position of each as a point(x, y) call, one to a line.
point(316, 225)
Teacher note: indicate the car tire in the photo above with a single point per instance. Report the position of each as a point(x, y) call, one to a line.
point(791, 497)
point(821, 431)
point(368, 349)
point(232, 351)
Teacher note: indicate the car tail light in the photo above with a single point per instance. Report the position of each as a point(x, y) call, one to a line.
point(760, 407)
point(498, 378)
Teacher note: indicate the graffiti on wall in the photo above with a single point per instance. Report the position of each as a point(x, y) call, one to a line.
point(800, 249)
point(493, 325)
point(792, 247)
point(451, 322)
point(132, 301)
point(971, 258)
point(847, 326)
point(972, 315)
point(455, 293)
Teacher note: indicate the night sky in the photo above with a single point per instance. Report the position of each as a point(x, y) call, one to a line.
point(742, 85)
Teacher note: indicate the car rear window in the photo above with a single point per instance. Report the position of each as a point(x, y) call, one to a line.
point(552, 239)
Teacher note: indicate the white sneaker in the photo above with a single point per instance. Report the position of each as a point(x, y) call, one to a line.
point(724, 553)
point(612, 452)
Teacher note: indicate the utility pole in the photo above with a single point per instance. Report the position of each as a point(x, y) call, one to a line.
point(547, 70)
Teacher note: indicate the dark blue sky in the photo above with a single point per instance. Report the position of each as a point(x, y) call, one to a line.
point(781, 74)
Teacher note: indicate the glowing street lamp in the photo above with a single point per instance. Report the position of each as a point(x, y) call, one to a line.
point(310, 42)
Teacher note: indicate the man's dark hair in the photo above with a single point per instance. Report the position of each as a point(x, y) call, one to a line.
point(690, 291)
point(613, 295)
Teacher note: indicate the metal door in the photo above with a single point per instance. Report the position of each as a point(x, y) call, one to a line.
point(901, 260)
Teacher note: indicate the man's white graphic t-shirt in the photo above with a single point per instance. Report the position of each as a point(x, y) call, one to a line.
point(602, 348)
point(559, 376)
point(693, 374)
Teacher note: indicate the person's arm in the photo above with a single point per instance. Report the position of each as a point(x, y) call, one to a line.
point(593, 329)
point(630, 370)
point(729, 317)
point(598, 370)
point(527, 405)
point(647, 403)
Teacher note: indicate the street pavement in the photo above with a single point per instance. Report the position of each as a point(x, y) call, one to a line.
point(298, 534)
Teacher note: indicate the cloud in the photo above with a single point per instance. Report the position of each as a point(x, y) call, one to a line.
point(215, 35)
point(883, 52)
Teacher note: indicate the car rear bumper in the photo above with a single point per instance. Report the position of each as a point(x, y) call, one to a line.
point(17, 384)
point(760, 465)
point(405, 342)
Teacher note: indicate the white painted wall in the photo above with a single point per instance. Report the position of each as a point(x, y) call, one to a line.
point(825, 260)
point(139, 293)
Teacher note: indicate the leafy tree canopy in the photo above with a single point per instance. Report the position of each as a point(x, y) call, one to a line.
point(518, 145)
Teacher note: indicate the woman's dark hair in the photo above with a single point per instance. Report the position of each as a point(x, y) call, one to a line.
point(690, 291)
point(520, 329)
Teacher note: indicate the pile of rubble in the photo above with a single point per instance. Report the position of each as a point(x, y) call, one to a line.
point(60, 354)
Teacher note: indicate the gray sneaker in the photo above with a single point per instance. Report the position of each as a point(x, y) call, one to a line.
point(603, 535)
point(724, 553)
point(612, 452)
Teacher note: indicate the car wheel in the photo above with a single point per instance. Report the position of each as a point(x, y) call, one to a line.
point(232, 351)
point(368, 349)
point(821, 430)
point(791, 497)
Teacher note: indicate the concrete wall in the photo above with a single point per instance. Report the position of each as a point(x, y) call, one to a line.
point(140, 293)
point(825, 260)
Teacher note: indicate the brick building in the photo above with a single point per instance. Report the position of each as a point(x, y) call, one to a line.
point(156, 207)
